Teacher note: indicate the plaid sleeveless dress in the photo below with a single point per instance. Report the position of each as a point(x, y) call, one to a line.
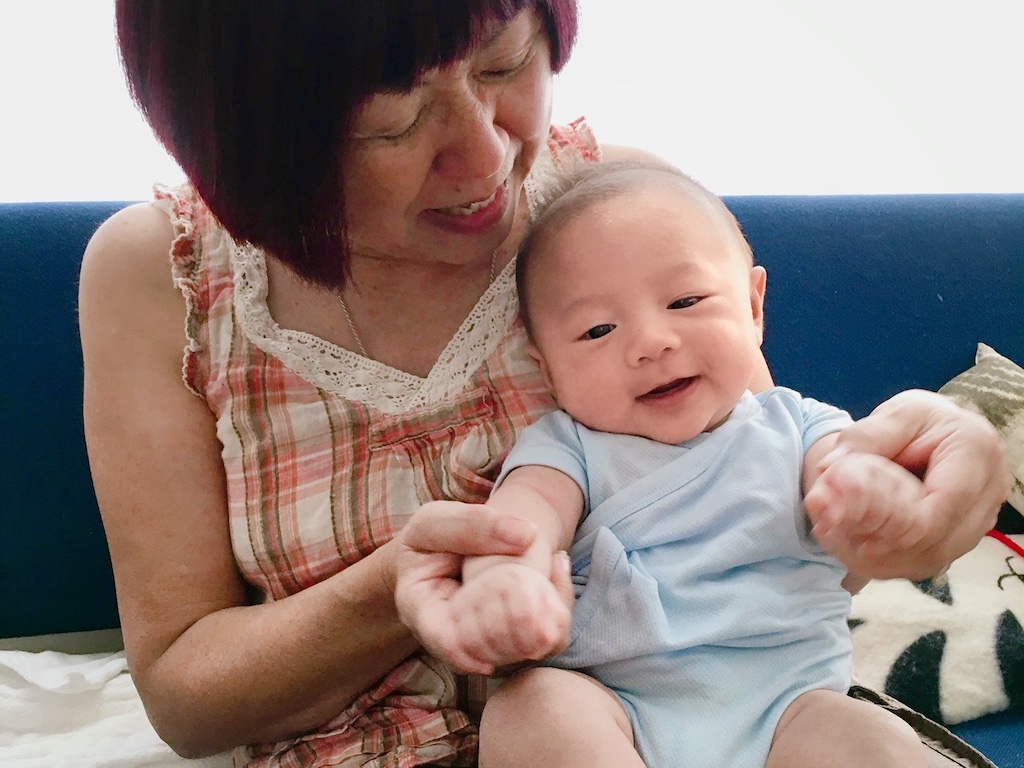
point(327, 454)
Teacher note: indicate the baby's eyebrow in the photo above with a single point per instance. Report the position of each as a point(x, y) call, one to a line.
point(583, 302)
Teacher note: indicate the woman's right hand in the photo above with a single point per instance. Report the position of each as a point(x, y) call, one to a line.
point(428, 580)
point(431, 548)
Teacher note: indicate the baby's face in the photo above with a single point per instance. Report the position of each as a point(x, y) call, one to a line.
point(647, 316)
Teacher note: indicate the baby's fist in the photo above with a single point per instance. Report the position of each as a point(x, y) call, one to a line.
point(863, 502)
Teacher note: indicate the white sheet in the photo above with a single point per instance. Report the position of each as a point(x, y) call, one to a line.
point(83, 711)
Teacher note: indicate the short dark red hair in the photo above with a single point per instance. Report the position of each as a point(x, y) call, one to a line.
point(254, 99)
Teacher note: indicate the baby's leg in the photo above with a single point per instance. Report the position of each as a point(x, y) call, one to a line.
point(826, 729)
point(546, 716)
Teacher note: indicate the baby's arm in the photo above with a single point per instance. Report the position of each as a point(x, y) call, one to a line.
point(510, 609)
point(860, 498)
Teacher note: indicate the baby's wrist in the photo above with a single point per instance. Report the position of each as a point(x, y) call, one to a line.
point(473, 567)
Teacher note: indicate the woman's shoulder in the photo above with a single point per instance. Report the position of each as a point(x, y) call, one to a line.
point(573, 142)
point(129, 250)
point(129, 308)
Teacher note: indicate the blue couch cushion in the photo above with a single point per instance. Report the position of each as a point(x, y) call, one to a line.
point(871, 295)
point(55, 573)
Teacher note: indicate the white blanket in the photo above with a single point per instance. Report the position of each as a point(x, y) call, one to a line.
point(81, 711)
point(952, 652)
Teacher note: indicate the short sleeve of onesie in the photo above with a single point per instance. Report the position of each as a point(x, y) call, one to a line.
point(551, 441)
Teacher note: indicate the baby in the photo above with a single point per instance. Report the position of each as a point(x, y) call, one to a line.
point(709, 627)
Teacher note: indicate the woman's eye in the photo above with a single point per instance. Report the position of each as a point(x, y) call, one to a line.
point(683, 303)
point(503, 72)
point(401, 133)
point(598, 331)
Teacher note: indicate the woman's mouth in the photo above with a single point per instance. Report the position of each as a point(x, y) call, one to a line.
point(475, 216)
point(470, 208)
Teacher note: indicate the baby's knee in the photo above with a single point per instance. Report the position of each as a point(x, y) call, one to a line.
point(531, 695)
point(557, 715)
point(828, 727)
point(896, 744)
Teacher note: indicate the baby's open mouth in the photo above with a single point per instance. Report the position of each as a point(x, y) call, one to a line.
point(674, 386)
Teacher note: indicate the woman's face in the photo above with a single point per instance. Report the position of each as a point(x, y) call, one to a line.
point(437, 173)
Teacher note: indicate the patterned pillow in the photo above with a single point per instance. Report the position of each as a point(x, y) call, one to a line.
point(994, 387)
point(955, 651)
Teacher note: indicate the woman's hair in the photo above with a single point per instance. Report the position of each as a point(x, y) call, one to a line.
point(255, 98)
point(585, 185)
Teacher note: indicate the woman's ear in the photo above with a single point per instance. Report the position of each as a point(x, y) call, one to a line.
point(758, 282)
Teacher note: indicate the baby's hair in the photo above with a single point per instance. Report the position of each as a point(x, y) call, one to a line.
point(585, 185)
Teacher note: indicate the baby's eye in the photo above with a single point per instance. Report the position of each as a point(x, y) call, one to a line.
point(684, 302)
point(598, 331)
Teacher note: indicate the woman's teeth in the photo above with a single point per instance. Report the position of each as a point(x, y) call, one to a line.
point(471, 208)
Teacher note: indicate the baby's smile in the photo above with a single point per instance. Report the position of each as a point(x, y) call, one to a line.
point(673, 387)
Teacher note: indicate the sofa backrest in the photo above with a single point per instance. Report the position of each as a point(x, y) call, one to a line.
point(867, 295)
point(870, 295)
point(55, 570)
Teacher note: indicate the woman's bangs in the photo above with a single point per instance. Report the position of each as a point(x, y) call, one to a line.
point(432, 33)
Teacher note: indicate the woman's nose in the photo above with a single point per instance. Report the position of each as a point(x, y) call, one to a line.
point(477, 147)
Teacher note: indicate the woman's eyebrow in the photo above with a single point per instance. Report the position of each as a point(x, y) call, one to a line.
point(499, 29)
point(494, 34)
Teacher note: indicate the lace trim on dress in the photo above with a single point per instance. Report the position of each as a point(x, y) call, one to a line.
point(344, 373)
point(184, 269)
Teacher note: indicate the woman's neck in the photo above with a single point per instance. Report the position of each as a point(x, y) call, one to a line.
point(403, 313)
point(406, 318)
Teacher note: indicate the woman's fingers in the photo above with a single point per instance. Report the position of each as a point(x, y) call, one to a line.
point(467, 529)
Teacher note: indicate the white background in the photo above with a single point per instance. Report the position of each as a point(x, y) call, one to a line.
point(749, 96)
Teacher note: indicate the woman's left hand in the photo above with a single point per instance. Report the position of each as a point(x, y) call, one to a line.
point(962, 462)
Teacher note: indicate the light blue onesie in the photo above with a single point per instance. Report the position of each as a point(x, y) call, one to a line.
point(702, 601)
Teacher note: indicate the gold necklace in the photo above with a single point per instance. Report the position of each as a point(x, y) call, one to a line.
point(352, 326)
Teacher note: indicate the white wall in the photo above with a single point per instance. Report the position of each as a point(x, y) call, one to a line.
point(69, 130)
point(750, 96)
point(809, 96)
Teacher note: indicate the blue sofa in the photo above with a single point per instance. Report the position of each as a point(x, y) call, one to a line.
point(867, 295)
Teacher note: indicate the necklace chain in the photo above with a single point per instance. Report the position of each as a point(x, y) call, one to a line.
point(352, 326)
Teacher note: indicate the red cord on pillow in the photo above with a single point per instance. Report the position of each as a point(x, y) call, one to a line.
point(1003, 538)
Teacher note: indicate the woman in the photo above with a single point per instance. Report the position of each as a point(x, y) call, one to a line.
point(341, 293)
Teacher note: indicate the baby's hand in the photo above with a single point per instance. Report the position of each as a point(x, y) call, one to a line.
point(507, 614)
point(861, 501)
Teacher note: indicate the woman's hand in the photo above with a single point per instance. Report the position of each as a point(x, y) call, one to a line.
point(508, 614)
point(428, 570)
point(962, 463)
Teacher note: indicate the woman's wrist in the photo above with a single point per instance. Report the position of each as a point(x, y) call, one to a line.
point(386, 562)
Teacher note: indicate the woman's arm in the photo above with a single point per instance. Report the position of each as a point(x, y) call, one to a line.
point(212, 671)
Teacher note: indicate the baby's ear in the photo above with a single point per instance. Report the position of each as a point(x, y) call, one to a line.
point(534, 352)
point(758, 282)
